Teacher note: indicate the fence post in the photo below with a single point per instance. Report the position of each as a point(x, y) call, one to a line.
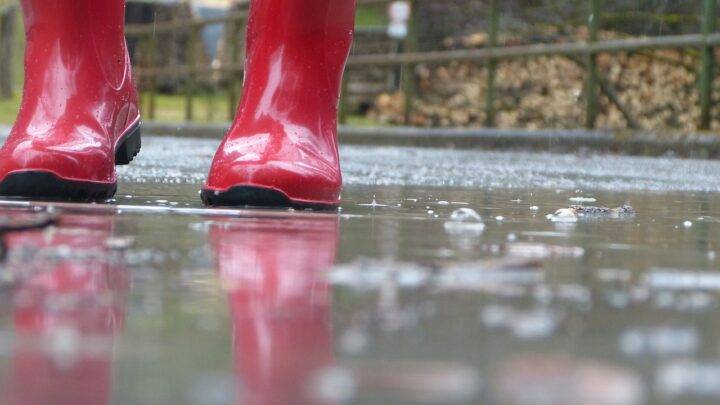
point(152, 59)
point(7, 34)
point(708, 65)
point(492, 64)
point(343, 107)
point(193, 54)
point(408, 70)
point(591, 86)
point(233, 28)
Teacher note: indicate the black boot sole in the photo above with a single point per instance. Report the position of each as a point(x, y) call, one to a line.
point(248, 196)
point(38, 184)
point(129, 147)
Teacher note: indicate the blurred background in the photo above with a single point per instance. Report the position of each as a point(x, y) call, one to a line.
point(528, 64)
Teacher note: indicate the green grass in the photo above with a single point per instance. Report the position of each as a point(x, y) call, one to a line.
point(209, 107)
point(371, 15)
point(360, 121)
point(8, 109)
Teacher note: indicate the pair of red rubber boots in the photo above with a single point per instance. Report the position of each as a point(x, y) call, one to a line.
point(79, 115)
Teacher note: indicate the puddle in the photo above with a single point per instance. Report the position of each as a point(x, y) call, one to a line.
point(381, 302)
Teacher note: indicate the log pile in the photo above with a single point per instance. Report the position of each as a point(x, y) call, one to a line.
point(659, 89)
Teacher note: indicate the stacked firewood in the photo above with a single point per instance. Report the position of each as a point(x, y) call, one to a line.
point(658, 89)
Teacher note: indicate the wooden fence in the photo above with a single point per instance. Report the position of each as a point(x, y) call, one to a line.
point(149, 37)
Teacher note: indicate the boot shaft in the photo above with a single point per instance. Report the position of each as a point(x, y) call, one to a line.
point(74, 19)
point(296, 50)
point(84, 36)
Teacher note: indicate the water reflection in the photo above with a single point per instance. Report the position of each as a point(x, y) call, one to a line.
point(69, 304)
point(279, 302)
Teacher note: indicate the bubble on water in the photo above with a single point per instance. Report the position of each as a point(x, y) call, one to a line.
point(465, 215)
point(660, 341)
point(673, 279)
point(686, 377)
point(201, 226)
point(366, 275)
point(499, 218)
point(546, 379)
point(617, 299)
point(680, 301)
point(333, 384)
point(370, 274)
point(526, 325)
point(465, 221)
point(575, 294)
point(512, 237)
point(64, 345)
point(687, 224)
point(583, 199)
point(354, 341)
point(426, 382)
point(614, 275)
point(543, 251)
point(534, 208)
point(120, 243)
point(564, 215)
point(212, 388)
point(443, 202)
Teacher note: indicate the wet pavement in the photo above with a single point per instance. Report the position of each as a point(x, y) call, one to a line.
point(444, 278)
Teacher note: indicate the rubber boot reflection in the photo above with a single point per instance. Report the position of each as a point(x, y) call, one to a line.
point(68, 307)
point(279, 302)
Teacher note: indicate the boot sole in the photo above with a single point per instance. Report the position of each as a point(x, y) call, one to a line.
point(38, 184)
point(249, 196)
point(129, 147)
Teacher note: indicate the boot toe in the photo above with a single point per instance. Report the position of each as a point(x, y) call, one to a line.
point(300, 183)
point(76, 161)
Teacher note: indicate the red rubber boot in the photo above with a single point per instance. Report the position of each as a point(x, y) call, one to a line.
point(79, 114)
point(282, 149)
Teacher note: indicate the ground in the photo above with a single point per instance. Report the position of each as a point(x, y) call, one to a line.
point(393, 299)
